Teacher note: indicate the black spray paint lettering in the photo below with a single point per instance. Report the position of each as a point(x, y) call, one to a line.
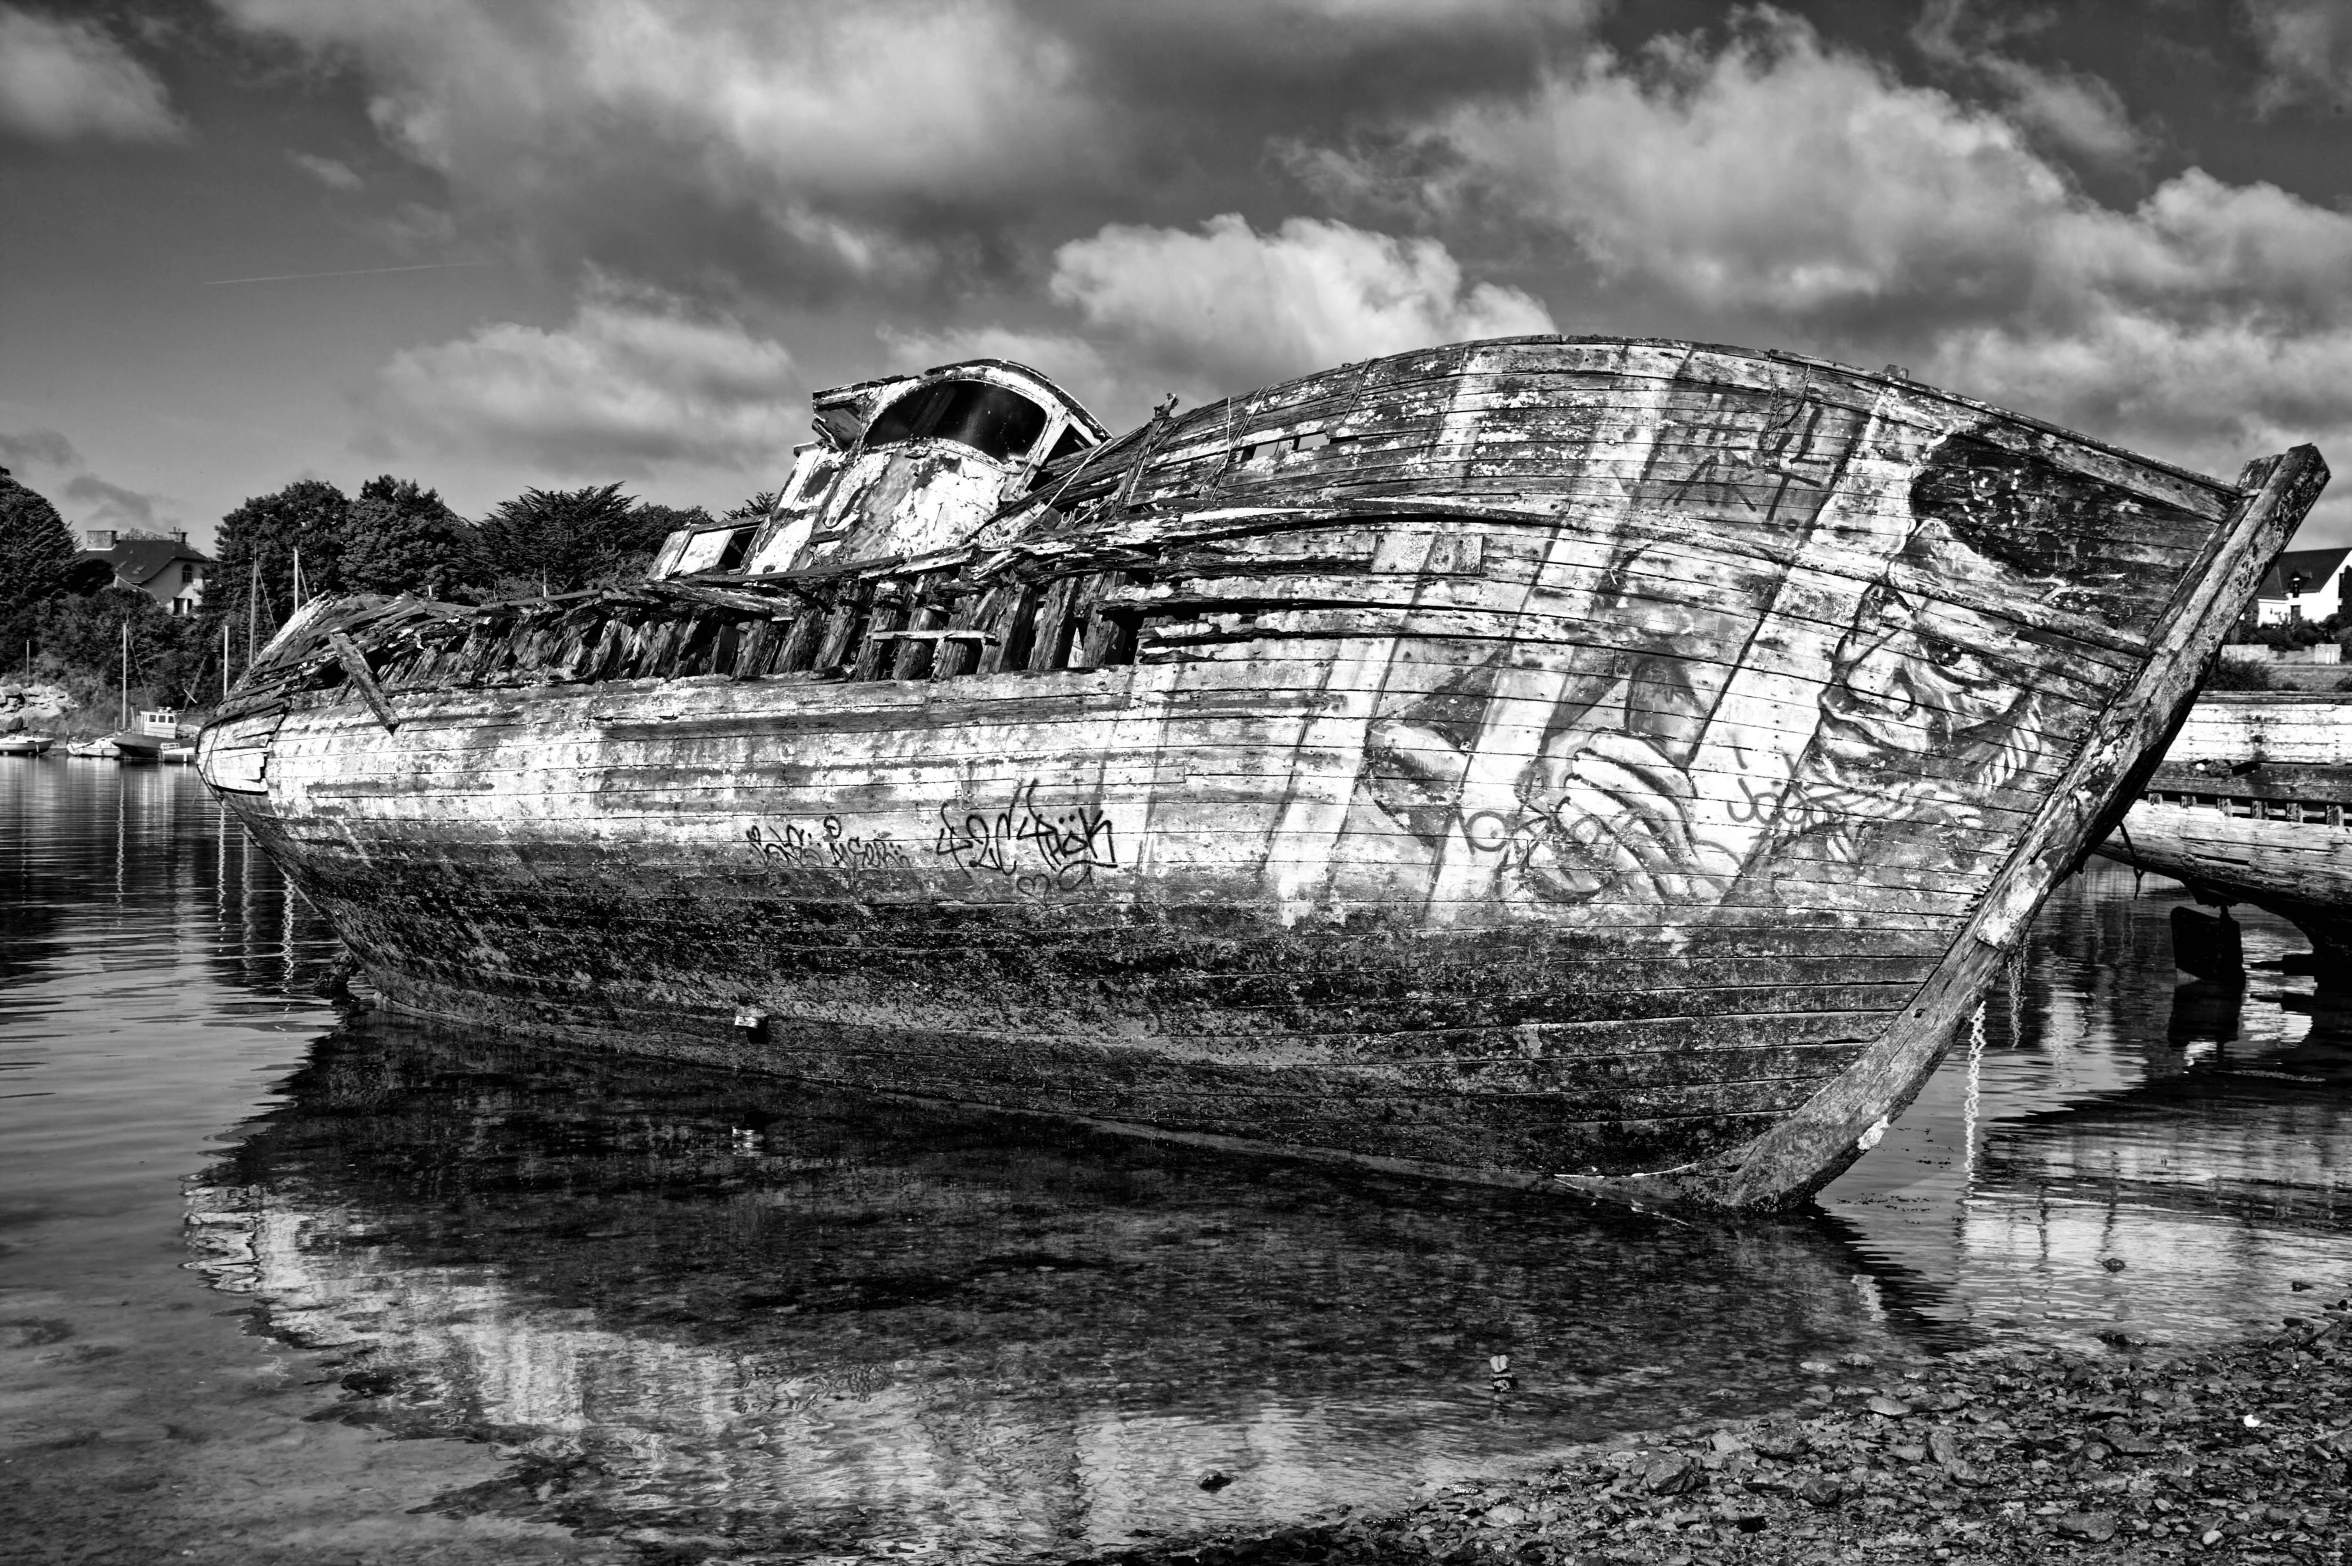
point(1037, 851)
point(1776, 462)
point(789, 847)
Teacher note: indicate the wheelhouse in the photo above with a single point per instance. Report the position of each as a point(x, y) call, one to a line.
point(900, 466)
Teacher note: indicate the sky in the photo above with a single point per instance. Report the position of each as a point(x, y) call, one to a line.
point(497, 244)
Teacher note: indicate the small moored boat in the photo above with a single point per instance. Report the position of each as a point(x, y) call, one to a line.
point(122, 745)
point(25, 744)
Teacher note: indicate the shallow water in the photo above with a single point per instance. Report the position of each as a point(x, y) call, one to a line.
point(621, 1310)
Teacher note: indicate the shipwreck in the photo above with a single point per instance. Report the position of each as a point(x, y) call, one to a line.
point(1603, 761)
point(2252, 803)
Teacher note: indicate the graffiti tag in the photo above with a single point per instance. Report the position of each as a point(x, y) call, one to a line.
point(789, 847)
point(1774, 458)
point(1037, 851)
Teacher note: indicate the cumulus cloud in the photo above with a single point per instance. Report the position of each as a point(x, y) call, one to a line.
point(48, 448)
point(1223, 309)
point(635, 379)
point(2307, 48)
point(1771, 173)
point(801, 117)
point(1768, 187)
point(1239, 308)
point(100, 504)
point(811, 148)
point(330, 172)
point(65, 80)
point(2072, 112)
point(86, 499)
point(2209, 323)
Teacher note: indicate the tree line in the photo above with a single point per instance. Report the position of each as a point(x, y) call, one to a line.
point(394, 536)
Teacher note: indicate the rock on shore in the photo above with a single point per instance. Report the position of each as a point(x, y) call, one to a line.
point(2239, 1454)
point(32, 706)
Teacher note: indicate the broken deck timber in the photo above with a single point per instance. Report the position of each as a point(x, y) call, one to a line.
point(2252, 803)
point(1619, 761)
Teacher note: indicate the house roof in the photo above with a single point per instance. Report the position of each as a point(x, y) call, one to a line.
point(138, 561)
point(2316, 567)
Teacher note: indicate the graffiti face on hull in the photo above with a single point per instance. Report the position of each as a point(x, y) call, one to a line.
point(1682, 768)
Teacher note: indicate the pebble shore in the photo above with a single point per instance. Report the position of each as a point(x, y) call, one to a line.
point(2236, 1454)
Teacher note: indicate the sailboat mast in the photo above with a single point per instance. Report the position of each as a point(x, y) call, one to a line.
point(125, 721)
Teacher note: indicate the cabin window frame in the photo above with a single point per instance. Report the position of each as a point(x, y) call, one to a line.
point(1016, 459)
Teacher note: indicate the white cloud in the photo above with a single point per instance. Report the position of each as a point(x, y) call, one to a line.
point(1777, 189)
point(46, 448)
point(1226, 309)
point(2307, 47)
point(63, 80)
point(632, 381)
point(2208, 324)
point(1773, 173)
point(1239, 309)
point(801, 113)
point(330, 172)
point(2069, 111)
point(102, 504)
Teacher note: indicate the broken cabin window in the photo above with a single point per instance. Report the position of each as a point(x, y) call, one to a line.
point(990, 419)
point(1072, 442)
point(738, 545)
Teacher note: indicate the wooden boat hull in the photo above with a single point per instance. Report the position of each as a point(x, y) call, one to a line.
point(2253, 804)
point(125, 745)
point(1647, 793)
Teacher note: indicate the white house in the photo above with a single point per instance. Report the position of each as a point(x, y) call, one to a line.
point(163, 567)
point(2305, 584)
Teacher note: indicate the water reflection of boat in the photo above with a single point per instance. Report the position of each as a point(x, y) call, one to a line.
point(2253, 804)
point(1739, 708)
point(2225, 1138)
point(707, 1305)
point(2122, 1153)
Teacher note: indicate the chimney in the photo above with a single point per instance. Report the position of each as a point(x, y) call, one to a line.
point(179, 535)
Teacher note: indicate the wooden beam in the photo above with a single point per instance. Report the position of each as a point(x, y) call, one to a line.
point(355, 665)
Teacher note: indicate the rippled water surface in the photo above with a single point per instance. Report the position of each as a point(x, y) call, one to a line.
point(627, 1311)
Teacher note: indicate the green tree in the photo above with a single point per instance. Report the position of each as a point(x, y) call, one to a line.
point(36, 563)
point(253, 585)
point(560, 540)
point(36, 547)
point(400, 538)
point(171, 660)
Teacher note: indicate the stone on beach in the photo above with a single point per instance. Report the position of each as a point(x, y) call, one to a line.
point(2237, 1453)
